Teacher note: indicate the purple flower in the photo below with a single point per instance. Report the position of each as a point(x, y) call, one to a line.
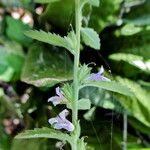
point(60, 122)
point(57, 99)
point(98, 76)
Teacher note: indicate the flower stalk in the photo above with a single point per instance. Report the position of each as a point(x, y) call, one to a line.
point(76, 60)
point(125, 131)
point(78, 19)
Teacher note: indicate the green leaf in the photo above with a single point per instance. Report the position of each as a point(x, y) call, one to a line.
point(83, 73)
point(84, 104)
point(46, 1)
point(81, 144)
point(26, 144)
point(45, 68)
point(68, 91)
point(102, 98)
point(138, 105)
point(5, 140)
point(44, 133)
point(90, 38)
point(135, 46)
point(130, 29)
point(64, 15)
point(103, 128)
point(11, 61)
point(17, 3)
point(139, 21)
point(140, 16)
point(138, 125)
point(7, 75)
point(135, 60)
point(105, 14)
point(53, 39)
point(71, 40)
point(111, 86)
point(139, 149)
point(94, 2)
point(15, 31)
point(90, 114)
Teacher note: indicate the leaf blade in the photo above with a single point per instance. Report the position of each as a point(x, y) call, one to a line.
point(40, 66)
point(90, 38)
point(84, 104)
point(50, 38)
point(94, 2)
point(46, 1)
point(111, 86)
point(44, 133)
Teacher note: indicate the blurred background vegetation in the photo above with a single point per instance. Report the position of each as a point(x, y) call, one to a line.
point(27, 70)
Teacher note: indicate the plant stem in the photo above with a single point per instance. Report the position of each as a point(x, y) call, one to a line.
point(125, 131)
point(78, 16)
point(76, 61)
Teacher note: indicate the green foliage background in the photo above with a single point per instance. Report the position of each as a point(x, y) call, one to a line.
point(32, 70)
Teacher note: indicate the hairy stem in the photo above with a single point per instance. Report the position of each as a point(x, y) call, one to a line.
point(78, 16)
point(125, 132)
point(76, 61)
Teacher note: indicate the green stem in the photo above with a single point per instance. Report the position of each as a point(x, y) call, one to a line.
point(78, 16)
point(76, 61)
point(125, 131)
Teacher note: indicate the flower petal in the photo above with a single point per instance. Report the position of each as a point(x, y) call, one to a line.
point(65, 125)
point(63, 114)
point(98, 76)
point(53, 121)
point(104, 79)
point(60, 122)
point(55, 100)
point(58, 91)
point(101, 70)
point(94, 77)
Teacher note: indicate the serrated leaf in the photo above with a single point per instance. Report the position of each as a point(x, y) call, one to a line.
point(53, 39)
point(71, 40)
point(90, 38)
point(83, 73)
point(45, 68)
point(45, 1)
point(81, 144)
point(44, 133)
point(110, 86)
point(68, 91)
point(94, 2)
point(84, 104)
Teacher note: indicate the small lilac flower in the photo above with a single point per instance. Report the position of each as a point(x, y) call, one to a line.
point(60, 122)
point(98, 76)
point(57, 99)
